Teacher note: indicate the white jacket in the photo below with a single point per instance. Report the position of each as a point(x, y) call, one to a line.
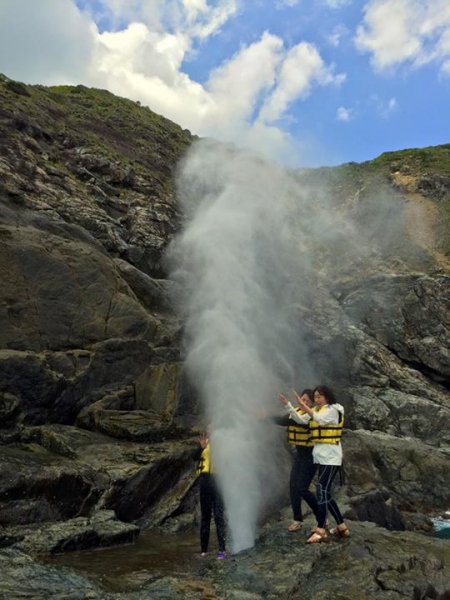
point(323, 454)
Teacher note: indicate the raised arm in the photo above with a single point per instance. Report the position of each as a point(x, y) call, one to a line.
point(301, 419)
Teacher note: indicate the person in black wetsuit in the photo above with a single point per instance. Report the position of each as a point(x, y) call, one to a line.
point(303, 469)
point(210, 500)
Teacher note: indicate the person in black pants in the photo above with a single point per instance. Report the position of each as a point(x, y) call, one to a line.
point(210, 501)
point(303, 468)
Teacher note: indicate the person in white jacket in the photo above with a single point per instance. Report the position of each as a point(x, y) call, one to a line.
point(326, 421)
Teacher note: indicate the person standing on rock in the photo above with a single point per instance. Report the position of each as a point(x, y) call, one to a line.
point(303, 468)
point(210, 500)
point(326, 422)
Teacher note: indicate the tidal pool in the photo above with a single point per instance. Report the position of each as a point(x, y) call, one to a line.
point(123, 568)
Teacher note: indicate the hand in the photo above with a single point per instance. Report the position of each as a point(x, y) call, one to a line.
point(299, 400)
point(283, 400)
point(203, 439)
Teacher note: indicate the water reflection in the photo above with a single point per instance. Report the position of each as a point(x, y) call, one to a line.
point(128, 567)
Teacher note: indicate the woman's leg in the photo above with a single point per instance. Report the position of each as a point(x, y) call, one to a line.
point(206, 505)
point(295, 489)
point(326, 503)
point(219, 519)
point(305, 475)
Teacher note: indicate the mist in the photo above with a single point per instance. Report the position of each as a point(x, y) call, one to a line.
point(235, 261)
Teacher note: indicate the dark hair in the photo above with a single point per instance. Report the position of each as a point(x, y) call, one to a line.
point(309, 393)
point(326, 392)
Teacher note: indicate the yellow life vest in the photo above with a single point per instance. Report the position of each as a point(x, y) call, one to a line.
point(204, 463)
point(326, 434)
point(299, 435)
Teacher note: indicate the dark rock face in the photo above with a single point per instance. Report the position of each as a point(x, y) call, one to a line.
point(36, 487)
point(60, 472)
point(436, 186)
point(408, 314)
point(63, 294)
point(375, 507)
point(23, 576)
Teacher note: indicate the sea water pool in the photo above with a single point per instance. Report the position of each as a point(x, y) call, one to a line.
point(124, 568)
point(442, 526)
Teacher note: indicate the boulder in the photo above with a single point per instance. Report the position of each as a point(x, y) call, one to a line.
point(414, 473)
point(36, 486)
point(55, 387)
point(406, 313)
point(24, 577)
point(100, 530)
point(163, 389)
point(62, 293)
point(60, 472)
point(156, 295)
point(136, 425)
point(114, 365)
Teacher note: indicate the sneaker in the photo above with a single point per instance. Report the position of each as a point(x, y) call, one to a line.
point(221, 555)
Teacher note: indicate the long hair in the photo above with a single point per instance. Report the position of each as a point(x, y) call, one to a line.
point(327, 393)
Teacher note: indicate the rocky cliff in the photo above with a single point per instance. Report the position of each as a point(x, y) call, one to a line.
point(96, 415)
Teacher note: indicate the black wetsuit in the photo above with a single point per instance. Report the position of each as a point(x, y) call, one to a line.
point(211, 503)
point(302, 473)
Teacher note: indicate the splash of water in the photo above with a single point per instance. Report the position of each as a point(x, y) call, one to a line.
point(232, 259)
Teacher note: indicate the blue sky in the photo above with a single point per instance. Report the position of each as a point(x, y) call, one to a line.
point(306, 82)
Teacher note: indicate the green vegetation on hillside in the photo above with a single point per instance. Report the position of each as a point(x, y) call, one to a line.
point(93, 121)
point(434, 159)
point(114, 128)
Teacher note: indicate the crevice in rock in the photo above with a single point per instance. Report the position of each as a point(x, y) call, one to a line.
point(431, 374)
point(436, 377)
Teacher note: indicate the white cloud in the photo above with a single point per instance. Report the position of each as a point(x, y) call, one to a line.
point(237, 85)
point(383, 107)
point(302, 67)
point(335, 37)
point(392, 104)
point(344, 114)
point(137, 50)
point(288, 3)
point(48, 41)
point(445, 68)
point(57, 43)
point(197, 18)
point(214, 18)
point(336, 3)
point(415, 32)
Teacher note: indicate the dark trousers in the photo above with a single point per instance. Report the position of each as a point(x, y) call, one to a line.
point(302, 473)
point(211, 502)
point(327, 473)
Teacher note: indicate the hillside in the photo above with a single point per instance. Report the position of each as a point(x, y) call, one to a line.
point(95, 160)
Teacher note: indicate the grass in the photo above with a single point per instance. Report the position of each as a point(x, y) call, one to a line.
point(433, 160)
point(111, 127)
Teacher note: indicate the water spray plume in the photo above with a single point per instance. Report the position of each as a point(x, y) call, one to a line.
point(231, 259)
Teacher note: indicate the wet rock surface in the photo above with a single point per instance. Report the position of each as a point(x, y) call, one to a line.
point(373, 563)
point(66, 472)
point(408, 314)
point(100, 530)
point(24, 577)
